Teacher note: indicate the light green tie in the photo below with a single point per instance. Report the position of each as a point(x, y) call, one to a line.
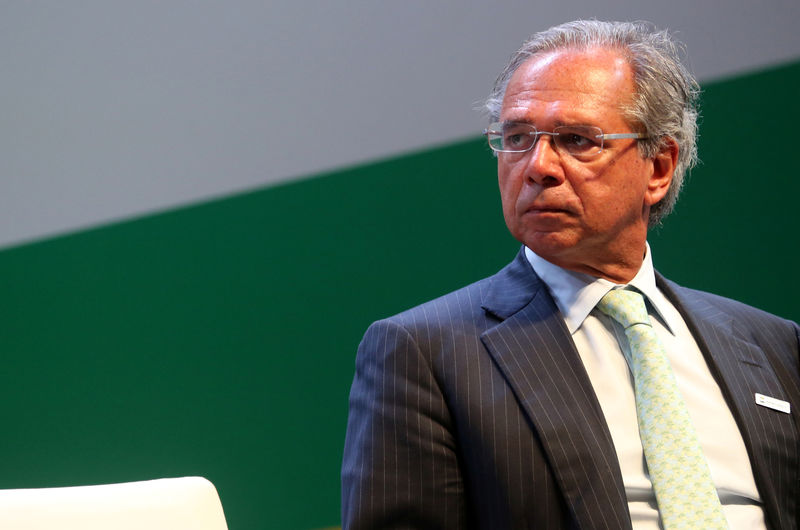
point(679, 472)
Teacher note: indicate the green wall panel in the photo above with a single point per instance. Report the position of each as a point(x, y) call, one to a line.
point(736, 228)
point(219, 339)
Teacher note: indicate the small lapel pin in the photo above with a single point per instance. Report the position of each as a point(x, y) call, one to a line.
point(773, 403)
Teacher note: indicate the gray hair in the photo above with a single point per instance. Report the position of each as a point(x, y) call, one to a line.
point(665, 101)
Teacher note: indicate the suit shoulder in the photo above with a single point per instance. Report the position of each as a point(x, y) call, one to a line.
point(488, 300)
point(452, 322)
point(709, 302)
point(459, 305)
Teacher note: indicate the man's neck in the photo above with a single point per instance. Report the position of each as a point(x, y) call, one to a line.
point(620, 271)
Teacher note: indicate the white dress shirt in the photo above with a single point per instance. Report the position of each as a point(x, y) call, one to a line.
point(599, 339)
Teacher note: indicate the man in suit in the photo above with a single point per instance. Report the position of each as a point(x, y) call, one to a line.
point(515, 402)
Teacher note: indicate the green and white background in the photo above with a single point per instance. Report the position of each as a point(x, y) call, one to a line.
point(204, 204)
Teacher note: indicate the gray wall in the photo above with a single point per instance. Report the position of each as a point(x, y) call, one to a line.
point(118, 108)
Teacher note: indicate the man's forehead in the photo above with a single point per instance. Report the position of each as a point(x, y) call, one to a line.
point(594, 76)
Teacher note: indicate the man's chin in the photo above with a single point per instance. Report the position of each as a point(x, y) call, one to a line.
point(550, 245)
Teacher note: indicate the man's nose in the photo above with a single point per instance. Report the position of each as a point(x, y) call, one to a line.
point(544, 163)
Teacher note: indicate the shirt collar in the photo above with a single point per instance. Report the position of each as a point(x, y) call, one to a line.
point(576, 293)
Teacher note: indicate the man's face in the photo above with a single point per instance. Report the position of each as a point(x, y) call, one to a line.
point(587, 215)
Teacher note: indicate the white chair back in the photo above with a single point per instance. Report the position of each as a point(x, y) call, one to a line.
point(189, 503)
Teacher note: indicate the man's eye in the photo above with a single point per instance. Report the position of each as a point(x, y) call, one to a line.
point(515, 140)
point(575, 140)
point(517, 137)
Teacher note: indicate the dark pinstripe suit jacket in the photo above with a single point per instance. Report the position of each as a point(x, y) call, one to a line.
point(475, 411)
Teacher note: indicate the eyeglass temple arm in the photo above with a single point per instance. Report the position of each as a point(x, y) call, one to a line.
point(619, 136)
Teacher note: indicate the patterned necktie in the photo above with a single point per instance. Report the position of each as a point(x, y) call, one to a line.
point(679, 472)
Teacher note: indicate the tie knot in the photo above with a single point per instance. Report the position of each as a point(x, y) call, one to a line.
point(624, 306)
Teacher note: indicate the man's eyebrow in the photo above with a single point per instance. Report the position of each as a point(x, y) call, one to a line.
point(557, 123)
point(522, 121)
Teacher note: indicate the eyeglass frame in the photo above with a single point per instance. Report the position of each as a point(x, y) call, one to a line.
point(536, 133)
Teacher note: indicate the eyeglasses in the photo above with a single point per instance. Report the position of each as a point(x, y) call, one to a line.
point(580, 141)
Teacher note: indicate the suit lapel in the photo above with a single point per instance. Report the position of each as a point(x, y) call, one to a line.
point(742, 370)
point(533, 349)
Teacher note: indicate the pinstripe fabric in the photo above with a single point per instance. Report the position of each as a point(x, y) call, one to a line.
point(474, 411)
point(751, 351)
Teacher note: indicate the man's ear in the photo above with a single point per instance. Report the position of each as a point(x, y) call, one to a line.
point(663, 168)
